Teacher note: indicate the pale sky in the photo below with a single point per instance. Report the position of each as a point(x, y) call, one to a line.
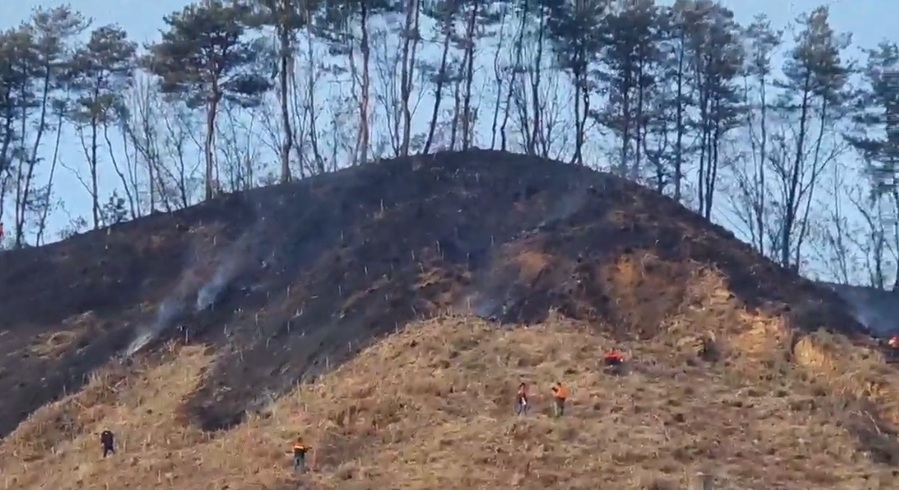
point(869, 21)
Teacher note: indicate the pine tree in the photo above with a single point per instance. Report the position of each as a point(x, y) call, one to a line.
point(629, 55)
point(99, 74)
point(204, 59)
point(578, 41)
point(877, 119)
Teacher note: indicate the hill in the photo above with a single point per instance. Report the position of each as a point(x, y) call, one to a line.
point(304, 307)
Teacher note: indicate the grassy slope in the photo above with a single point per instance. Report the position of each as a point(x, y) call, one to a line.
point(431, 407)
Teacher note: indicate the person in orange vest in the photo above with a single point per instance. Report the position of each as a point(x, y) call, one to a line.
point(613, 358)
point(299, 455)
point(560, 395)
point(892, 353)
point(521, 400)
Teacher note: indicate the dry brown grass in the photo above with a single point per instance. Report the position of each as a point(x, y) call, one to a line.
point(531, 264)
point(431, 407)
point(54, 344)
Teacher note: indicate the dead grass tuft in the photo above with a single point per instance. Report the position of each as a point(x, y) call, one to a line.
point(531, 264)
point(55, 344)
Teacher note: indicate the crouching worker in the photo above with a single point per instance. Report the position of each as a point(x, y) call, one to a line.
point(299, 456)
point(560, 395)
point(521, 402)
point(107, 440)
point(613, 361)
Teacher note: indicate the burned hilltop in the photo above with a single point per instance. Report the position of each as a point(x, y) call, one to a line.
point(289, 281)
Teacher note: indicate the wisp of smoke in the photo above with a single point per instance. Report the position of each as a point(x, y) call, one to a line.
point(233, 259)
point(492, 296)
point(209, 293)
point(486, 308)
point(573, 201)
point(874, 309)
point(168, 311)
point(871, 318)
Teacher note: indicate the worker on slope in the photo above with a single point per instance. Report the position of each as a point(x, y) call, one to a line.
point(299, 455)
point(613, 361)
point(892, 353)
point(521, 400)
point(107, 440)
point(560, 395)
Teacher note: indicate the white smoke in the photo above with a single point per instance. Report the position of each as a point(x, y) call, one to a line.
point(210, 292)
point(876, 310)
point(232, 260)
point(168, 311)
point(230, 263)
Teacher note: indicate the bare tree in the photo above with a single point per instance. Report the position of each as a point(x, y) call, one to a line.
point(872, 239)
point(468, 42)
point(533, 88)
point(305, 109)
point(836, 234)
point(44, 48)
point(44, 202)
point(444, 12)
point(815, 77)
point(411, 38)
point(751, 178)
point(139, 122)
point(161, 138)
point(388, 61)
point(499, 68)
point(515, 71)
point(241, 155)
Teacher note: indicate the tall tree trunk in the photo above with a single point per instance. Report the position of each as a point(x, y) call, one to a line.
point(366, 83)
point(93, 166)
point(498, 74)
point(536, 106)
point(516, 68)
point(438, 91)
point(680, 122)
point(467, 116)
point(410, 48)
point(793, 190)
point(283, 88)
point(209, 144)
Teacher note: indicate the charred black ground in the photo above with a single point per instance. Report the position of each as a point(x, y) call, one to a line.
point(316, 269)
